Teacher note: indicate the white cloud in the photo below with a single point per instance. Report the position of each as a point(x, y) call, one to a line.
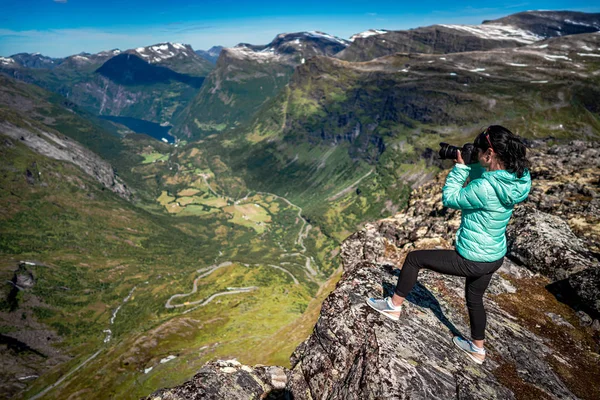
point(60, 1)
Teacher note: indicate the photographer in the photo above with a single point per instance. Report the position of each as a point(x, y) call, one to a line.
point(487, 203)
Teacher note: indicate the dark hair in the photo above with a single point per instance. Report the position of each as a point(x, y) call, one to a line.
point(509, 147)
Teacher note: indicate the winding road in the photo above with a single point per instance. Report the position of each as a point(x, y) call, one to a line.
point(204, 272)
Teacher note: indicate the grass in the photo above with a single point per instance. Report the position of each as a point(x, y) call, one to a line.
point(99, 247)
point(154, 157)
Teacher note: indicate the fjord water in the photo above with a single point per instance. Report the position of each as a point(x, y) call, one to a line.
point(149, 128)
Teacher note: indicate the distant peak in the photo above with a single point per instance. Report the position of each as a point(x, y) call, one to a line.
point(370, 32)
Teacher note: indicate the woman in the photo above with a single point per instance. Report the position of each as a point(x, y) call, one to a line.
point(486, 203)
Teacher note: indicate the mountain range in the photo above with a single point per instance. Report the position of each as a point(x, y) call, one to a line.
point(132, 262)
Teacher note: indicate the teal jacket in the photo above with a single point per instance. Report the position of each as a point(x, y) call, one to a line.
point(487, 204)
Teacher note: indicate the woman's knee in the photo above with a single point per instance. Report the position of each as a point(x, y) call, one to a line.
point(474, 300)
point(413, 259)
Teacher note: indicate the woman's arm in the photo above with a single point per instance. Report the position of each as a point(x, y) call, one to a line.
point(472, 196)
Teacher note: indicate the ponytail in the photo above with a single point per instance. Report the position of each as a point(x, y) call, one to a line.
point(509, 147)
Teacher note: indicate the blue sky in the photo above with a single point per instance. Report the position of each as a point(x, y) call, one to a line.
point(58, 28)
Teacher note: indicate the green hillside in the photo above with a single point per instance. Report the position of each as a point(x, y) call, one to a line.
point(88, 250)
point(345, 141)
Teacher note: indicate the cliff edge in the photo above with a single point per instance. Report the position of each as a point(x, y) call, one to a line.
point(543, 335)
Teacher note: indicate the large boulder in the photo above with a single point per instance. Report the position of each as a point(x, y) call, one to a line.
point(546, 244)
point(586, 285)
point(230, 380)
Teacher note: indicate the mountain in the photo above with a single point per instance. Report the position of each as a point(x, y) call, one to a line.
point(549, 24)
point(246, 76)
point(153, 90)
point(211, 54)
point(130, 70)
point(511, 31)
point(35, 60)
point(179, 57)
point(58, 129)
point(348, 140)
point(537, 346)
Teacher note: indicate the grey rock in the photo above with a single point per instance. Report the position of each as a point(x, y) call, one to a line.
point(559, 320)
point(228, 379)
point(355, 353)
point(587, 286)
point(546, 244)
point(63, 148)
point(584, 319)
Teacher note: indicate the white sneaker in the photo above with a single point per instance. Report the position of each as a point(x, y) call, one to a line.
point(385, 307)
point(468, 347)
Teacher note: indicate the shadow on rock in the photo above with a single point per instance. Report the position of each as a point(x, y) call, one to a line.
point(421, 297)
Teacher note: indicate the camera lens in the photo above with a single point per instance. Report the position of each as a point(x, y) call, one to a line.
point(448, 151)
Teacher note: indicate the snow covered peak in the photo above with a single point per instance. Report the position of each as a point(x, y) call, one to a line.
point(178, 46)
point(498, 32)
point(245, 53)
point(81, 58)
point(163, 51)
point(370, 32)
point(6, 60)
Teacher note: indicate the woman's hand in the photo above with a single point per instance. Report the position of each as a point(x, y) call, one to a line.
point(459, 159)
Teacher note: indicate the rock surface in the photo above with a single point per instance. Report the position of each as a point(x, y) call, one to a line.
point(65, 149)
point(546, 244)
point(228, 379)
point(537, 346)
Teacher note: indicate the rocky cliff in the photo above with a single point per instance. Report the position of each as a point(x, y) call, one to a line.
point(538, 345)
point(60, 147)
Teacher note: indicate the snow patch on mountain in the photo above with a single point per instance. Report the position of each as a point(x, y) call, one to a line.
point(498, 32)
point(323, 35)
point(162, 51)
point(81, 58)
point(6, 60)
point(370, 32)
point(568, 21)
point(245, 53)
point(552, 57)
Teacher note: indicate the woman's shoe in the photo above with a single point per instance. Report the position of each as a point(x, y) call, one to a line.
point(385, 307)
point(474, 353)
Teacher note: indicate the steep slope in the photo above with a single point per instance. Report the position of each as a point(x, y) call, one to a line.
point(247, 76)
point(511, 31)
point(95, 278)
point(35, 112)
point(75, 250)
point(538, 347)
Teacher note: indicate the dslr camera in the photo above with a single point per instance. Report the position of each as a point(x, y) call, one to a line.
point(468, 152)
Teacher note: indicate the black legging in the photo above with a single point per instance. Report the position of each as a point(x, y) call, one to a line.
point(449, 262)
